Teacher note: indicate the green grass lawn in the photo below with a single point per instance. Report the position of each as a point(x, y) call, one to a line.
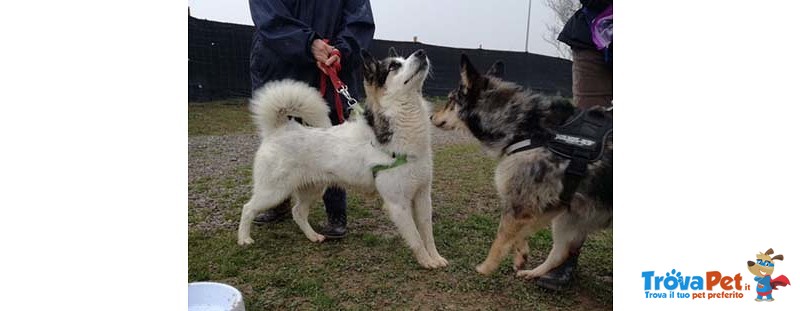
point(372, 268)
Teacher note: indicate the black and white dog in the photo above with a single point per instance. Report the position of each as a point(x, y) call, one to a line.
point(299, 161)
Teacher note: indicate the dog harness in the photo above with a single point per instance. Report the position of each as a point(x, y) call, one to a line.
point(581, 140)
point(398, 160)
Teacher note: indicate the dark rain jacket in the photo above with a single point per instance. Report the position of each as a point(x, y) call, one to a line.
point(285, 29)
point(576, 32)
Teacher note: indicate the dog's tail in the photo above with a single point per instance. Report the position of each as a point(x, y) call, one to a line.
point(273, 104)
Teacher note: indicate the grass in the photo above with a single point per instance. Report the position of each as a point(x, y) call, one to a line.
point(372, 268)
point(220, 118)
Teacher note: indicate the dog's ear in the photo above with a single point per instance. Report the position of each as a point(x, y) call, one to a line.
point(392, 52)
point(769, 252)
point(468, 73)
point(777, 257)
point(498, 69)
point(370, 66)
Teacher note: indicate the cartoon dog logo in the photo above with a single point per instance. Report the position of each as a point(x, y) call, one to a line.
point(763, 269)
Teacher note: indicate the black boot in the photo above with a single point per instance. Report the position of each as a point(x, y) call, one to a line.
point(560, 277)
point(336, 228)
point(336, 207)
point(275, 214)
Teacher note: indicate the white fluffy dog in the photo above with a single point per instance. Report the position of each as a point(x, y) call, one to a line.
point(300, 161)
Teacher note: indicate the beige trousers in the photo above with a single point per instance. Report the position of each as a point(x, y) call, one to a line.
point(592, 79)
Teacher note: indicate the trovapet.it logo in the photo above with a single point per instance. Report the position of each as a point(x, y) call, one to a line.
point(674, 284)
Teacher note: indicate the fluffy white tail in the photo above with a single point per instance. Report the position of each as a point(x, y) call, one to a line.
point(275, 102)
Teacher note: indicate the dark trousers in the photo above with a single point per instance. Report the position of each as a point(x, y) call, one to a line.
point(335, 198)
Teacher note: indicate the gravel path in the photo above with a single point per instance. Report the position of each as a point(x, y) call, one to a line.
point(215, 160)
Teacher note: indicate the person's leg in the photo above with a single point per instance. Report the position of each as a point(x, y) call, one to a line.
point(592, 85)
point(279, 213)
point(335, 199)
point(592, 79)
point(558, 278)
point(258, 77)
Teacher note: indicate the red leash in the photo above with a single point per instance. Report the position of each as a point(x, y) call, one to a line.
point(333, 73)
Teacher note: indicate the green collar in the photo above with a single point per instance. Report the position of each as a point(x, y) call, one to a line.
point(399, 160)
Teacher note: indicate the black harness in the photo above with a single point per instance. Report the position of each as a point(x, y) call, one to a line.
point(581, 140)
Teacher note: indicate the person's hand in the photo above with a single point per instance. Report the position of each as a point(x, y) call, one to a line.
point(321, 50)
point(322, 54)
point(332, 59)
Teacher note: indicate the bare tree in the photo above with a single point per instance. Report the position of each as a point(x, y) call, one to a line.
point(563, 10)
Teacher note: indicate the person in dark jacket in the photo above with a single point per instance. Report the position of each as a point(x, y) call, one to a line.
point(592, 85)
point(289, 43)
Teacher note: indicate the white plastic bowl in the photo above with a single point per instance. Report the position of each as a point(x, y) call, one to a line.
point(211, 296)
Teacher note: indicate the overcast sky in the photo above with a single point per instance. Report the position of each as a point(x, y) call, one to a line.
point(496, 24)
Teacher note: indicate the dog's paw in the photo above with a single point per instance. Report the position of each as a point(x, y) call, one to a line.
point(529, 274)
point(434, 263)
point(520, 261)
point(317, 238)
point(440, 261)
point(245, 241)
point(483, 269)
point(428, 263)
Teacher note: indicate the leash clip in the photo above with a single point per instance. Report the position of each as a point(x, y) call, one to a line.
point(339, 86)
point(352, 103)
